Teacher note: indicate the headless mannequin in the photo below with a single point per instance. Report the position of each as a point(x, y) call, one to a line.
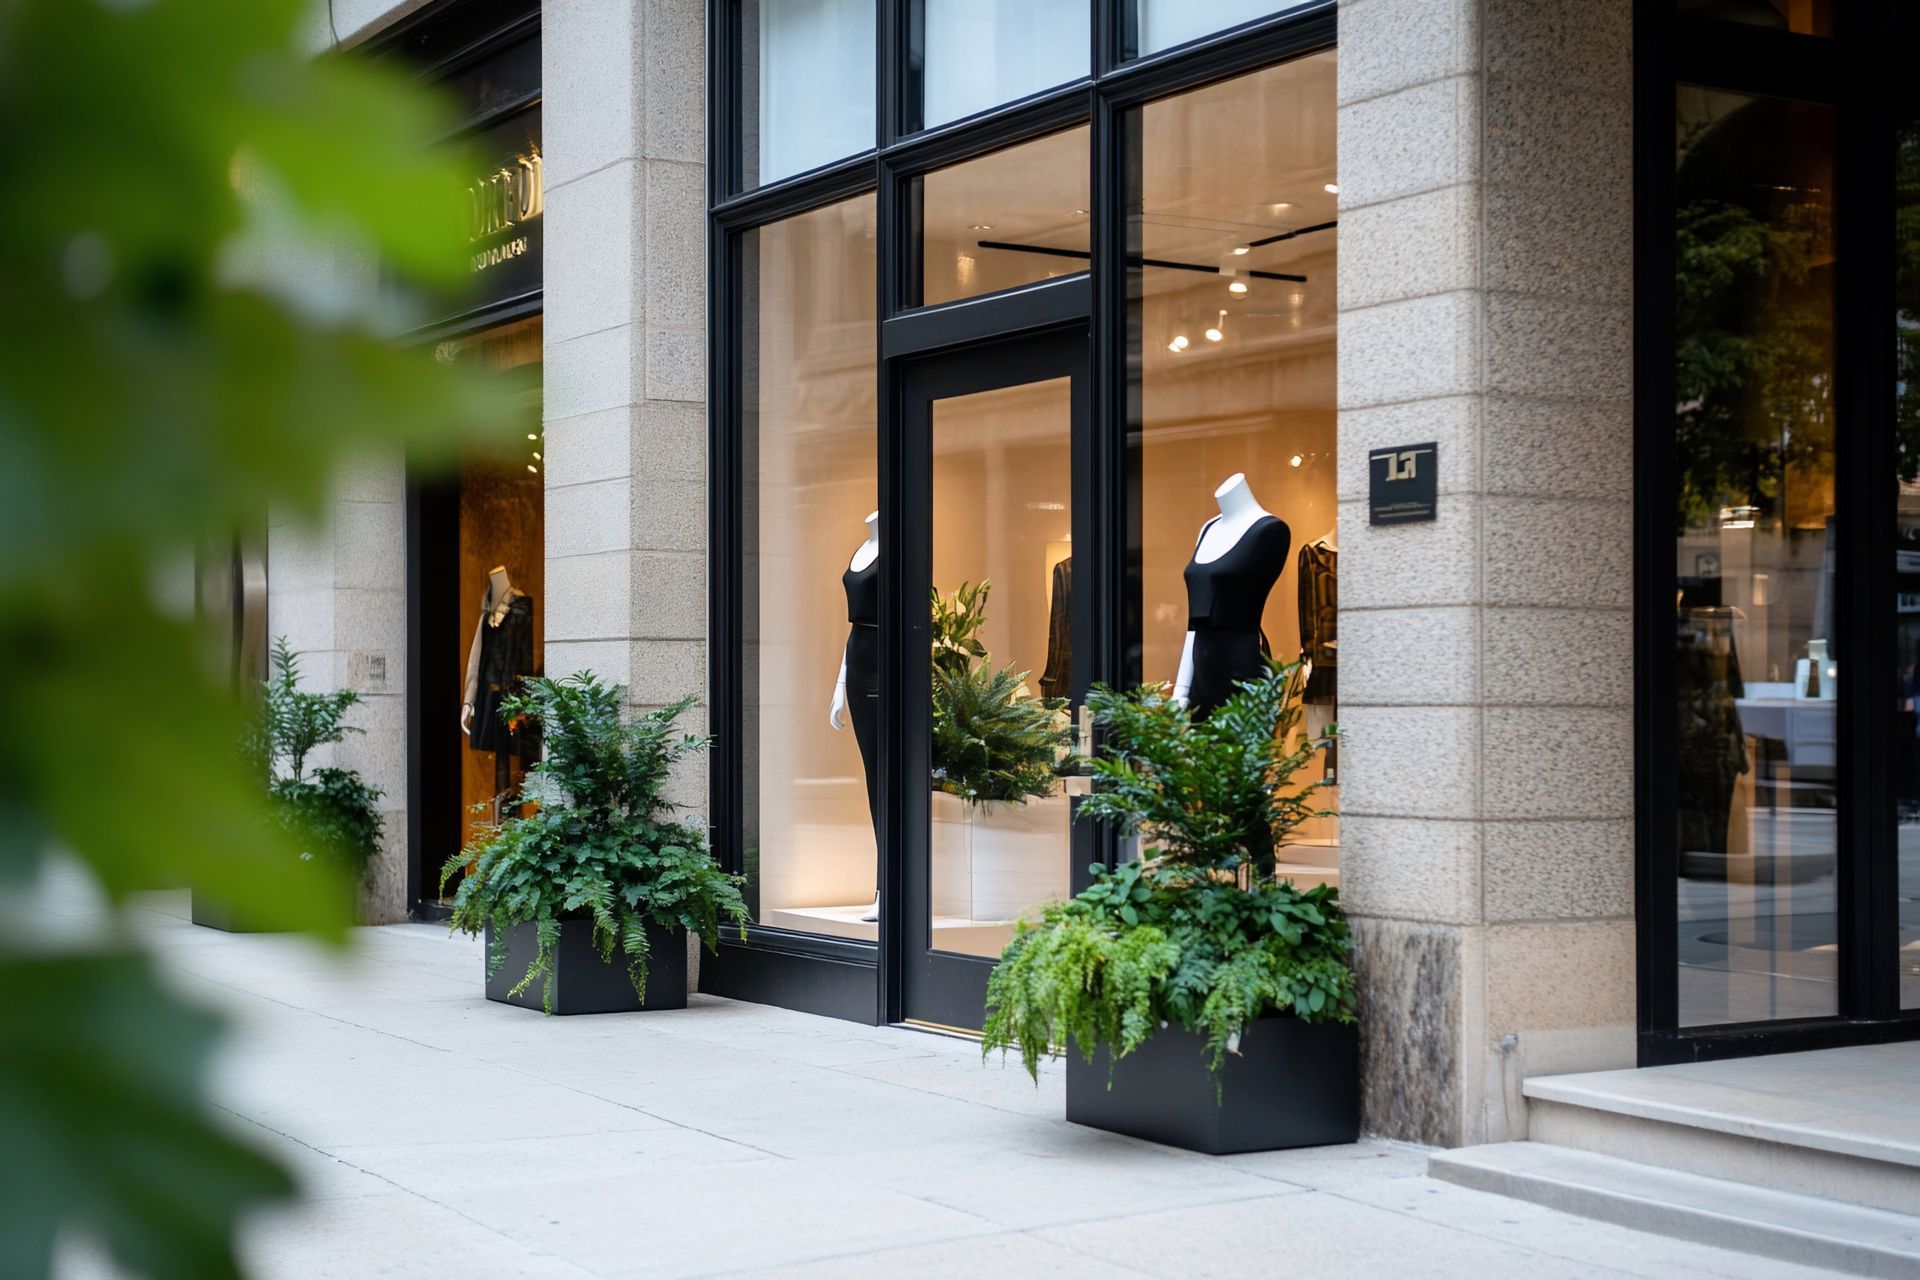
point(864, 715)
point(498, 585)
point(1239, 512)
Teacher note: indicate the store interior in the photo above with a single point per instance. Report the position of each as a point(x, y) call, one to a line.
point(1233, 304)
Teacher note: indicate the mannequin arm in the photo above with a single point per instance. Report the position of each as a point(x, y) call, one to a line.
point(837, 713)
point(1184, 681)
point(470, 691)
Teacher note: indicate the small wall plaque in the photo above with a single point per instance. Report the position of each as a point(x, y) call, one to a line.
point(1403, 484)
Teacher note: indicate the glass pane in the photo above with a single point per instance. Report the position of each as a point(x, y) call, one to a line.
point(806, 86)
point(1233, 297)
point(1755, 746)
point(1005, 219)
point(1907, 555)
point(810, 618)
point(1002, 527)
point(1803, 17)
point(981, 53)
point(1161, 24)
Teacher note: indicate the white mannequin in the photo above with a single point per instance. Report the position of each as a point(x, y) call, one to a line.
point(498, 586)
point(864, 555)
point(1239, 510)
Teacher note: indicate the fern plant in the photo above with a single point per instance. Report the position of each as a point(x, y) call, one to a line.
point(1191, 934)
point(992, 742)
point(602, 845)
point(333, 812)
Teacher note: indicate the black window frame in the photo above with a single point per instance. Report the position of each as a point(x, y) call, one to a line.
point(1857, 72)
point(832, 975)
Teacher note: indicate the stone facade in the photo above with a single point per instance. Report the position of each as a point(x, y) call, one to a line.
point(1486, 687)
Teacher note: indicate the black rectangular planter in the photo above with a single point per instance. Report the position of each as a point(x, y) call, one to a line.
point(1293, 1084)
point(582, 981)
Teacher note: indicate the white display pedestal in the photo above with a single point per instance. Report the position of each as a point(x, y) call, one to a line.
point(999, 862)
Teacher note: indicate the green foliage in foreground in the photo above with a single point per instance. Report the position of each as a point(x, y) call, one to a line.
point(331, 813)
point(176, 356)
point(602, 845)
point(1190, 935)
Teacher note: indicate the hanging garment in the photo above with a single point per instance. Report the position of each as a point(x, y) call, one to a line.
point(1057, 679)
point(500, 657)
point(863, 671)
point(1225, 599)
point(1319, 619)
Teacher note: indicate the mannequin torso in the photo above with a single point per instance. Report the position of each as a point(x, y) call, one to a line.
point(1236, 561)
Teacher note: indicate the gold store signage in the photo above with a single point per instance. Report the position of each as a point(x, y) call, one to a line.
point(501, 201)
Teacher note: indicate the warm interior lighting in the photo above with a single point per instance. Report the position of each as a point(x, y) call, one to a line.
point(1295, 460)
point(1332, 188)
point(1178, 344)
point(1241, 249)
point(1237, 287)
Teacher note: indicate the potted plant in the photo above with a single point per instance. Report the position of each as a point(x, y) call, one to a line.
point(996, 751)
point(1211, 1004)
point(329, 812)
point(592, 895)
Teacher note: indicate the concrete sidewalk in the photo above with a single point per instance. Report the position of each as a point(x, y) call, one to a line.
point(436, 1134)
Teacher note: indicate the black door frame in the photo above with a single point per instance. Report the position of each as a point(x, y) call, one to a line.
point(844, 977)
point(1857, 71)
point(1019, 336)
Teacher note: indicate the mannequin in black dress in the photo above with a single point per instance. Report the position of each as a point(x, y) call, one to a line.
point(857, 693)
point(1237, 559)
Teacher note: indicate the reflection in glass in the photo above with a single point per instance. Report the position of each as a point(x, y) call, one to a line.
point(1755, 663)
point(809, 483)
point(981, 53)
point(807, 86)
point(1162, 24)
point(1802, 17)
point(1000, 843)
point(1907, 554)
point(1232, 310)
point(1005, 219)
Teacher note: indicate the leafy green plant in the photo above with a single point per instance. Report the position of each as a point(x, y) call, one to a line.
point(602, 845)
point(171, 372)
point(992, 742)
point(1189, 935)
point(332, 813)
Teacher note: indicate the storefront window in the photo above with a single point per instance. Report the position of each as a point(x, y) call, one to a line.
point(1233, 297)
point(1009, 218)
point(807, 85)
point(1756, 670)
point(809, 590)
point(1907, 553)
point(1162, 24)
point(1802, 17)
point(981, 53)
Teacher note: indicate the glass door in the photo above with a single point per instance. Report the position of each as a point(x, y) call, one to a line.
point(993, 440)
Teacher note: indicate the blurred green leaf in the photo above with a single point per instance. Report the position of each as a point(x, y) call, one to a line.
point(211, 239)
point(104, 1127)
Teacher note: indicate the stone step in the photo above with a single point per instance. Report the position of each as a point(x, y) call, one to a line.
point(1698, 1123)
point(1804, 1229)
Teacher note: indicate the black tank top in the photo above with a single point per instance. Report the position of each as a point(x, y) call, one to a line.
point(1230, 593)
point(863, 594)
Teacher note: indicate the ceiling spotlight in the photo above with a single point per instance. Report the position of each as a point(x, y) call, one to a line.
point(533, 468)
point(536, 457)
point(1295, 460)
point(983, 226)
point(531, 436)
point(1237, 287)
point(1215, 333)
point(1332, 188)
point(1281, 206)
point(1080, 213)
point(1241, 249)
point(1178, 344)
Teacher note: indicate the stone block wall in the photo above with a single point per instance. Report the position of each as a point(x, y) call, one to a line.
point(1486, 686)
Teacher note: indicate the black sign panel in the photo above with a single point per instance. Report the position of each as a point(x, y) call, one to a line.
point(1403, 485)
point(505, 205)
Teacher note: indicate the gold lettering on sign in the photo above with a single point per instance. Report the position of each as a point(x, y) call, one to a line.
point(510, 195)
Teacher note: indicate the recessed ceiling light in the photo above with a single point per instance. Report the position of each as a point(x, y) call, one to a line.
point(1295, 460)
point(1241, 249)
point(1080, 212)
point(1214, 335)
point(1178, 344)
point(1332, 188)
point(1281, 206)
point(1237, 287)
point(983, 226)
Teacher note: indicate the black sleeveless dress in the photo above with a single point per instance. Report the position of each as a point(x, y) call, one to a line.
point(1225, 598)
point(863, 669)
